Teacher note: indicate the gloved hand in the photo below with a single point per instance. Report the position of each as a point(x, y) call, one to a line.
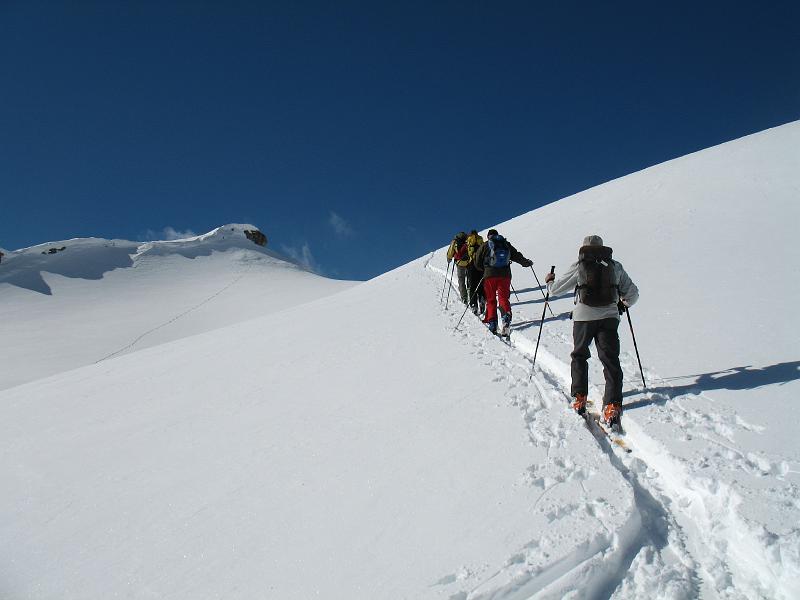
point(621, 306)
point(549, 277)
point(527, 263)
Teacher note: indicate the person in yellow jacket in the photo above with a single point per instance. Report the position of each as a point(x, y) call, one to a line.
point(476, 294)
point(458, 251)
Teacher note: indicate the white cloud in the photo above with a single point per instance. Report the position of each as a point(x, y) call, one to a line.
point(302, 256)
point(340, 226)
point(168, 233)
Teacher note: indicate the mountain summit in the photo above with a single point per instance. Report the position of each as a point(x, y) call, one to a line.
point(73, 302)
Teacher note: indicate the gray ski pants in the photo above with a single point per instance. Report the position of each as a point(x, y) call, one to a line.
point(462, 282)
point(605, 335)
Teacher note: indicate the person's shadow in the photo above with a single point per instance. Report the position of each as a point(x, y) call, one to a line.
point(529, 289)
point(522, 325)
point(737, 378)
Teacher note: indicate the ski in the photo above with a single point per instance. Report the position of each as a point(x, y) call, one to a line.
point(504, 335)
point(595, 423)
point(615, 437)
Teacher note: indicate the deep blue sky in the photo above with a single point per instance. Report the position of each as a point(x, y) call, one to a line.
point(407, 121)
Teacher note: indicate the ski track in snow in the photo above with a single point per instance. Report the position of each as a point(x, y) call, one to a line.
point(226, 287)
point(685, 538)
point(596, 569)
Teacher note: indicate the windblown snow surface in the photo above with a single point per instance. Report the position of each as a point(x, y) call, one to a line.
point(356, 446)
point(97, 298)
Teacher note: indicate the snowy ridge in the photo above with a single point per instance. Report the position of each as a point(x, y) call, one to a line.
point(122, 296)
point(218, 239)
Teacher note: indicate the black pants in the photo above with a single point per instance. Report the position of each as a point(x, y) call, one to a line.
point(606, 339)
point(477, 294)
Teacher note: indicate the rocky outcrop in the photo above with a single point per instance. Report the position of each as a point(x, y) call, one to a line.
point(255, 236)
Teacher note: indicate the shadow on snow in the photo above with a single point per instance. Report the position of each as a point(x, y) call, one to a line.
point(737, 378)
point(522, 325)
point(74, 262)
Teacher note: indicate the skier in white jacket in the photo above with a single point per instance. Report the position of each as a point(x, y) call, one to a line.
point(599, 284)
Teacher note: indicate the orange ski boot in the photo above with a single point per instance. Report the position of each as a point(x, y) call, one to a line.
point(579, 404)
point(611, 415)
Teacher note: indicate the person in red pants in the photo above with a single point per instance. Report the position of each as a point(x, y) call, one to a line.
point(494, 259)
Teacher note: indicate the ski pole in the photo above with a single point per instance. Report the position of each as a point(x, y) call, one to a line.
point(633, 335)
point(468, 304)
point(540, 289)
point(446, 277)
point(515, 291)
point(447, 302)
point(541, 325)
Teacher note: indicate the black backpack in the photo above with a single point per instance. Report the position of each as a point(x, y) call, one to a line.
point(460, 247)
point(596, 276)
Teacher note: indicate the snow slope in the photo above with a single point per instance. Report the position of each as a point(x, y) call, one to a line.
point(100, 298)
point(710, 241)
point(358, 447)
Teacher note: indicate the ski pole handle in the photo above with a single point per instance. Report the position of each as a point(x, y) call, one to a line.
point(553, 270)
